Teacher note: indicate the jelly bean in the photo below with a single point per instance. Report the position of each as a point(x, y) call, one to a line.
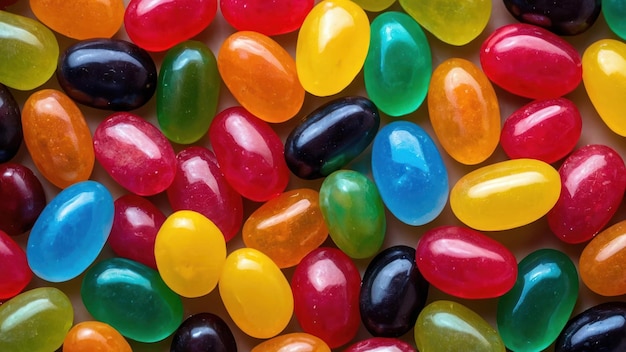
point(505, 195)
point(452, 22)
point(601, 261)
point(614, 12)
point(187, 92)
point(255, 293)
point(465, 263)
point(297, 341)
point(81, 19)
point(530, 131)
point(57, 137)
point(464, 111)
point(273, 18)
point(374, 344)
point(23, 198)
point(287, 228)
point(593, 181)
point(135, 153)
point(15, 273)
point(409, 173)
point(89, 336)
point(109, 74)
point(530, 61)
point(396, 83)
point(132, 298)
point(250, 154)
point(564, 18)
point(531, 315)
point(325, 288)
point(604, 76)
point(354, 213)
point(331, 136)
point(261, 75)
point(200, 185)
point(374, 5)
point(5, 3)
point(601, 327)
point(161, 24)
point(450, 326)
point(331, 47)
point(70, 232)
point(393, 292)
point(29, 52)
point(203, 332)
point(11, 134)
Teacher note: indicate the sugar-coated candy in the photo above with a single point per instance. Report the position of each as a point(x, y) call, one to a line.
point(326, 287)
point(29, 52)
point(464, 111)
point(375, 344)
point(614, 12)
point(531, 131)
point(23, 198)
point(90, 336)
point(256, 293)
point(331, 136)
point(15, 273)
point(157, 25)
point(398, 65)
point(250, 154)
point(80, 19)
point(569, 17)
point(530, 61)
point(200, 185)
point(409, 173)
point(261, 75)
point(135, 153)
point(343, 29)
point(110, 74)
point(269, 18)
point(451, 21)
point(190, 252)
point(450, 326)
point(601, 327)
point(187, 92)
point(374, 5)
point(132, 298)
point(601, 261)
point(532, 314)
point(393, 292)
point(203, 332)
point(35, 320)
point(506, 194)
point(57, 137)
point(465, 263)
point(354, 213)
point(11, 134)
point(295, 341)
point(593, 181)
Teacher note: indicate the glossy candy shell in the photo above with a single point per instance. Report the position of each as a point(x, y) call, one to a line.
point(90, 336)
point(15, 273)
point(203, 332)
point(601, 261)
point(11, 134)
point(602, 326)
point(570, 17)
point(374, 344)
point(614, 12)
point(297, 341)
point(23, 198)
point(269, 18)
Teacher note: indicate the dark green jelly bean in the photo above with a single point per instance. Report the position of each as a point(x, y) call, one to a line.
point(109, 74)
point(11, 135)
point(599, 328)
point(203, 332)
point(563, 17)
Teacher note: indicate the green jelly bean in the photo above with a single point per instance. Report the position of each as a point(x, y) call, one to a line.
point(29, 52)
point(450, 326)
point(354, 213)
point(132, 298)
point(187, 92)
point(614, 12)
point(35, 321)
point(398, 66)
point(532, 314)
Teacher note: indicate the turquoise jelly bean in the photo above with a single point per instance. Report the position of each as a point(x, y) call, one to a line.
point(614, 12)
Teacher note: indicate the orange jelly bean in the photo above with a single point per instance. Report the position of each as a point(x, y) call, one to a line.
point(261, 75)
point(601, 263)
point(296, 341)
point(94, 336)
point(57, 137)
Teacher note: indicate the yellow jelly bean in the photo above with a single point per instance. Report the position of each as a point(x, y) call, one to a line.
point(374, 5)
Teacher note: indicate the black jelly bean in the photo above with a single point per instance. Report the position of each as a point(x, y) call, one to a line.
point(203, 332)
point(11, 134)
point(563, 17)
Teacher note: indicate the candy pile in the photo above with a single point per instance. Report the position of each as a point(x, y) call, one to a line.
point(335, 175)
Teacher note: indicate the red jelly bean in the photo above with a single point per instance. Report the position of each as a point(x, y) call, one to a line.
point(531, 61)
point(593, 181)
point(266, 17)
point(380, 344)
point(135, 226)
point(200, 185)
point(15, 273)
point(23, 198)
point(531, 131)
point(465, 263)
point(250, 154)
point(326, 287)
point(135, 153)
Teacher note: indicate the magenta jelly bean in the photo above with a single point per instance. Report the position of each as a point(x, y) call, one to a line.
point(266, 17)
point(250, 154)
point(593, 180)
point(22, 198)
point(15, 273)
point(380, 344)
point(135, 153)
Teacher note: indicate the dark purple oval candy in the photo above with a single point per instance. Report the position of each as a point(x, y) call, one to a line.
point(564, 17)
point(599, 328)
point(203, 332)
point(10, 125)
point(22, 198)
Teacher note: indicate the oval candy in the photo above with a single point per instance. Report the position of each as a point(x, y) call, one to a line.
point(203, 332)
point(600, 262)
point(296, 341)
point(15, 273)
point(374, 5)
point(23, 198)
point(269, 18)
point(564, 18)
point(89, 336)
point(613, 12)
point(11, 134)
point(374, 344)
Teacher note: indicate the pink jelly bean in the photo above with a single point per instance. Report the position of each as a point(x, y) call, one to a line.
point(266, 17)
point(15, 273)
point(380, 344)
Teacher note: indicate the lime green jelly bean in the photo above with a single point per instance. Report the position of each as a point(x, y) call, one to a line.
point(374, 5)
point(29, 52)
point(505, 195)
point(35, 321)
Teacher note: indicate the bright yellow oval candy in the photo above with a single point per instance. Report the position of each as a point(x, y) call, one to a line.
point(190, 252)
